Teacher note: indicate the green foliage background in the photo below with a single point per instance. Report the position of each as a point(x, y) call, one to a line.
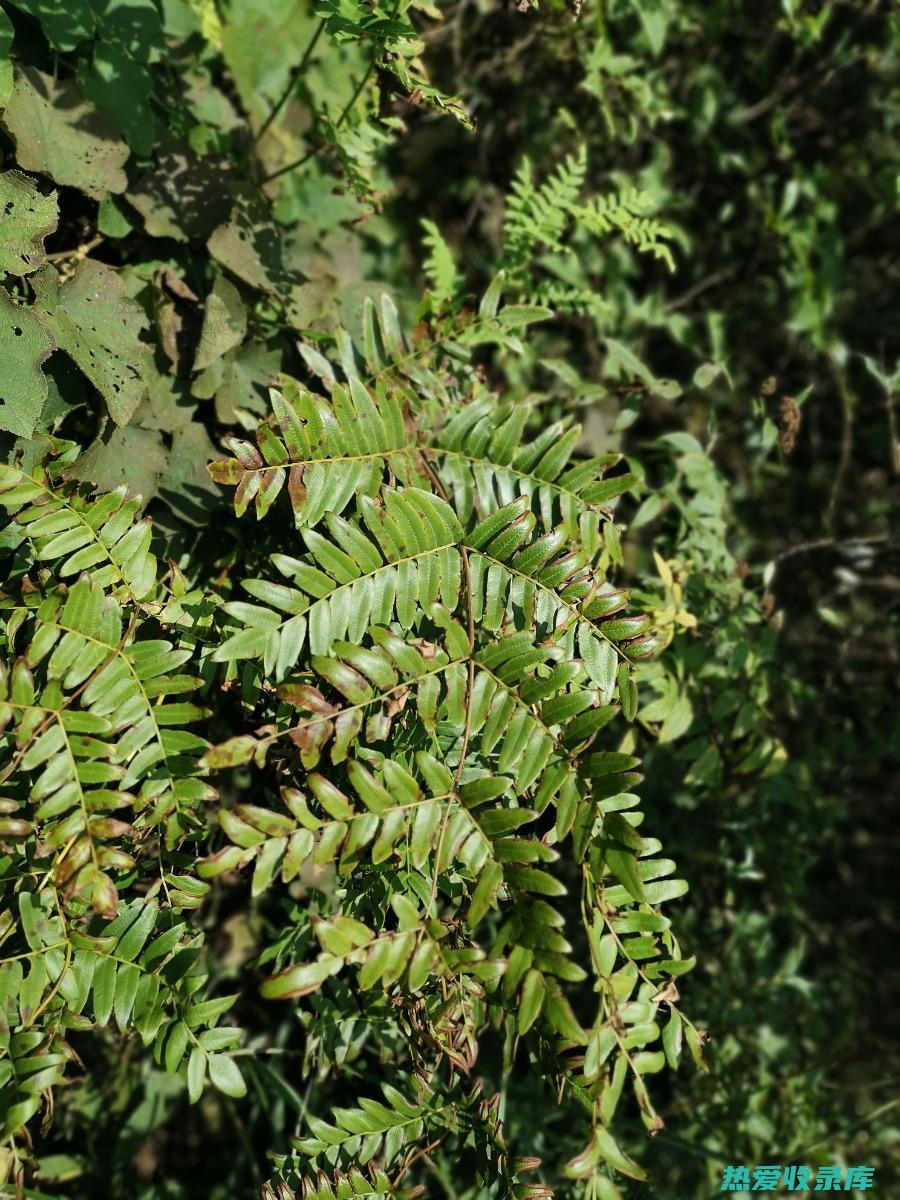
point(689, 211)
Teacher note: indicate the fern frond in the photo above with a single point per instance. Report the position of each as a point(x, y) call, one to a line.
point(143, 970)
point(75, 534)
point(625, 213)
point(443, 659)
point(538, 215)
point(525, 732)
point(328, 452)
point(432, 660)
point(438, 365)
point(544, 219)
point(378, 569)
point(484, 460)
point(92, 736)
point(439, 266)
point(480, 455)
point(379, 824)
point(336, 1185)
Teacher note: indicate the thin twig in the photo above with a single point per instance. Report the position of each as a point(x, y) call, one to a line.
point(692, 293)
point(78, 252)
point(311, 153)
point(292, 166)
point(846, 439)
point(893, 432)
point(440, 1175)
point(826, 543)
point(296, 71)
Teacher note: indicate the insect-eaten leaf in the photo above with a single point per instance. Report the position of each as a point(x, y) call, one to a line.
point(24, 345)
point(27, 216)
point(99, 327)
point(61, 135)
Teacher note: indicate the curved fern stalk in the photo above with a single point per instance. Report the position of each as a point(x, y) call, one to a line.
point(72, 534)
point(90, 738)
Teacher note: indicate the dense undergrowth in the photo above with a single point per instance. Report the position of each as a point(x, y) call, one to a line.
point(450, 463)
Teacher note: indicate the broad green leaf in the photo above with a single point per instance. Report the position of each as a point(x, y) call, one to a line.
point(131, 456)
point(121, 86)
point(251, 246)
point(239, 380)
point(184, 196)
point(224, 323)
point(259, 44)
point(112, 220)
point(184, 485)
point(678, 719)
point(65, 24)
point(6, 66)
point(61, 135)
point(100, 327)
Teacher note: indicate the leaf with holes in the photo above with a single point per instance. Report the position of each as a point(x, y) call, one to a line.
point(99, 327)
point(26, 218)
point(24, 345)
point(61, 135)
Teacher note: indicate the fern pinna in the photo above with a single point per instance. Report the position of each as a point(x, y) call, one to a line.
point(420, 675)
